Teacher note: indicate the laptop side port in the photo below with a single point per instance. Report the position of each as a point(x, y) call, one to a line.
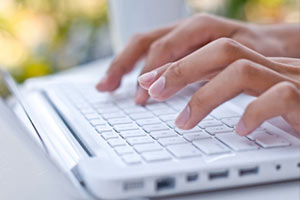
point(133, 185)
point(218, 175)
point(192, 177)
point(165, 184)
point(248, 171)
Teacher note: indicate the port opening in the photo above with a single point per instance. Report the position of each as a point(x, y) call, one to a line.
point(218, 175)
point(192, 177)
point(165, 184)
point(278, 167)
point(248, 171)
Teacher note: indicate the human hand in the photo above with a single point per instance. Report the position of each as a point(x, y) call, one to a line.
point(171, 43)
point(231, 69)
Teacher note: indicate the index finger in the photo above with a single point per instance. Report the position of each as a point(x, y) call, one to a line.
point(126, 60)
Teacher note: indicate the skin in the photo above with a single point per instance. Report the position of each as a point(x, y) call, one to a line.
point(235, 57)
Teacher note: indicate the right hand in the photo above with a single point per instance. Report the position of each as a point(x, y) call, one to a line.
point(171, 43)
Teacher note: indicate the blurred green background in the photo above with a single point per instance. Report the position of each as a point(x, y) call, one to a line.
point(39, 37)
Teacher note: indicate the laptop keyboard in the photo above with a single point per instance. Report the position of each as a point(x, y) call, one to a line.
point(142, 134)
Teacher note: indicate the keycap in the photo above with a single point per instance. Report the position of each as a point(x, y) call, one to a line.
point(86, 111)
point(116, 142)
point(270, 142)
point(236, 142)
point(113, 115)
point(91, 116)
point(259, 133)
point(127, 103)
point(166, 111)
point(196, 136)
point(184, 150)
point(148, 121)
point(139, 140)
point(103, 105)
point(231, 122)
point(211, 146)
point(156, 156)
point(171, 124)
point(126, 127)
point(156, 106)
point(109, 135)
point(118, 121)
point(96, 122)
point(162, 134)
point(137, 109)
point(224, 112)
point(218, 129)
point(168, 117)
point(102, 128)
point(132, 159)
point(121, 150)
point(195, 129)
point(107, 110)
point(132, 133)
point(171, 140)
point(155, 127)
point(136, 116)
point(207, 118)
point(147, 147)
point(209, 123)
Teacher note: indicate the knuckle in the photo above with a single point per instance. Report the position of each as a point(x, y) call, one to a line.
point(203, 16)
point(138, 38)
point(243, 69)
point(288, 92)
point(227, 45)
point(161, 46)
point(176, 72)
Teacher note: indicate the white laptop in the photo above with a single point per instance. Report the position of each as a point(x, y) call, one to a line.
point(115, 149)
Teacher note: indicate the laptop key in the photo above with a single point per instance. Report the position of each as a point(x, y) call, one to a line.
point(270, 142)
point(121, 150)
point(209, 123)
point(259, 133)
point(181, 131)
point(136, 116)
point(211, 146)
point(150, 121)
point(162, 134)
point(126, 127)
point(147, 147)
point(156, 156)
point(171, 141)
point(132, 133)
point(168, 117)
point(114, 115)
point(132, 159)
point(91, 116)
point(218, 129)
point(164, 111)
point(116, 142)
point(184, 150)
point(171, 124)
point(109, 135)
point(118, 121)
point(140, 140)
point(236, 142)
point(96, 122)
point(137, 109)
point(102, 128)
point(196, 136)
point(155, 127)
point(231, 122)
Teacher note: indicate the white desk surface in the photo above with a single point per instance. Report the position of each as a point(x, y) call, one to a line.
point(16, 189)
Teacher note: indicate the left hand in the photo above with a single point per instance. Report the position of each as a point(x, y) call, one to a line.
point(232, 68)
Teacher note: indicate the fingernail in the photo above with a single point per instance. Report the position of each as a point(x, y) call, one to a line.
point(183, 117)
point(241, 128)
point(148, 77)
point(157, 87)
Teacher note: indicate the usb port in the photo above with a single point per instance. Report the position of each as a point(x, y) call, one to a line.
point(218, 175)
point(165, 184)
point(248, 171)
